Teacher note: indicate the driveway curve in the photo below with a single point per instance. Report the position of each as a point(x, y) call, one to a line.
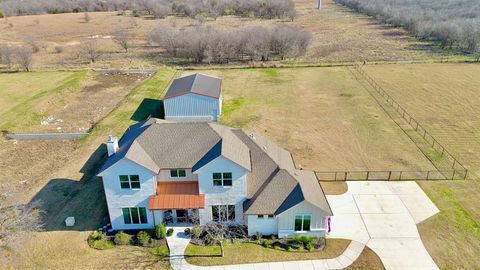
point(383, 216)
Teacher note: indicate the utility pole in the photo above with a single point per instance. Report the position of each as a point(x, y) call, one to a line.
point(319, 4)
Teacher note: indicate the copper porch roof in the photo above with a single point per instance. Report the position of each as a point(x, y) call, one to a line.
point(177, 195)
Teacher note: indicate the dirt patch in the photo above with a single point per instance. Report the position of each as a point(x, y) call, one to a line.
point(334, 188)
point(85, 107)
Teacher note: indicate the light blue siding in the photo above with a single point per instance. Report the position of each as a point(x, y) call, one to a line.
point(192, 107)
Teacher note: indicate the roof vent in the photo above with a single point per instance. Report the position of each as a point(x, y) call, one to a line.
point(251, 136)
point(264, 147)
point(112, 145)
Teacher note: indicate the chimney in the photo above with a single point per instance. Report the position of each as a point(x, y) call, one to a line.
point(112, 145)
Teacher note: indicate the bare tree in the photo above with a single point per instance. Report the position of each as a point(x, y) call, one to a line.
point(32, 42)
point(18, 221)
point(171, 39)
point(90, 49)
point(122, 38)
point(217, 232)
point(6, 56)
point(23, 57)
point(86, 17)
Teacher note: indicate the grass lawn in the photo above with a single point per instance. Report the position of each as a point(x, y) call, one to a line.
point(240, 253)
point(444, 98)
point(323, 116)
point(25, 96)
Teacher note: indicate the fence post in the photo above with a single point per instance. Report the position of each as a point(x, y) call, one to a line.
point(453, 175)
point(453, 166)
point(400, 177)
point(368, 172)
point(389, 175)
point(428, 174)
point(335, 176)
point(345, 176)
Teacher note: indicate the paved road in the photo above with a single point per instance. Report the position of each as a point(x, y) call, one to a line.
point(383, 215)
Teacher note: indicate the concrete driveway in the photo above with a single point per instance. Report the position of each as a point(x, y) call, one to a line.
point(383, 215)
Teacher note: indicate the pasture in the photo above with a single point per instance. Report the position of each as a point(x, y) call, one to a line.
point(323, 116)
point(444, 98)
point(335, 37)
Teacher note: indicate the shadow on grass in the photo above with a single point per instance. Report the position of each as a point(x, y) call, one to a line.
point(149, 107)
point(84, 199)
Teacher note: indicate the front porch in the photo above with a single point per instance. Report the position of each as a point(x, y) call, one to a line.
point(176, 203)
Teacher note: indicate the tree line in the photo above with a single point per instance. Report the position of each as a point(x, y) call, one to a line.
point(201, 43)
point(454, 24)
point(158, 8)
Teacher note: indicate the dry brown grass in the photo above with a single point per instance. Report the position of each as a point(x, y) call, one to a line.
point(444, 98)
point(338, 35)
point(368, 259)
point(334, 188)
point(60, 173)
point(321, 115)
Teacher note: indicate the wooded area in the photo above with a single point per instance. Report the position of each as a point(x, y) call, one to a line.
point(156, 8)
point(454, 24)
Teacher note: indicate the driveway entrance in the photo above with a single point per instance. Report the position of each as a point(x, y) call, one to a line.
point(383, 215)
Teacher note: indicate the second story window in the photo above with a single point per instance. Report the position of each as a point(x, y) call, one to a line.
point(129, 181)
point(222, 179)
point(178, 173)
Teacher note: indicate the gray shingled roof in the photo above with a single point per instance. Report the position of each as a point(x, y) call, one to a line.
point(284, 187)
point(196, 83)
point(158, 144)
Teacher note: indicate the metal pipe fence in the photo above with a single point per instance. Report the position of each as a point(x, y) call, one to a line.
point(456, 167)
point(391, 175)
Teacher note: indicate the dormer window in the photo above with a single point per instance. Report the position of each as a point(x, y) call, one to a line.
point(178, 173)
point(222, 179)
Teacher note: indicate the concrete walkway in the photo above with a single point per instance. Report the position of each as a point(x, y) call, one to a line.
point(179, 241)
point(383, 216)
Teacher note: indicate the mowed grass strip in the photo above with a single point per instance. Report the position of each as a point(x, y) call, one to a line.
point(241, 253)
point(323, 116)
point(24, 96)
point(444, 99)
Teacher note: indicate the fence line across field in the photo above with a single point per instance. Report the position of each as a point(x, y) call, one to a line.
point(391, 175)
point(412, 122)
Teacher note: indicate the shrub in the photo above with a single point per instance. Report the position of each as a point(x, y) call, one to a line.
point(258, 237)
point(1, 14)
point(170, 232)
point(160, 231)
point(143, 238)
point(267, 243)
point(187, 231)
point(58, 49)
point(300, 248)
point(98, 240)
point(290, 248)
point(310, 246)
point(196, 231)
point(121, 238)
point(277, 247)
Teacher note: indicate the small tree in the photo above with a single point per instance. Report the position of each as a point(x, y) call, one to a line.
point(90, 50)
point(122, 38)
point(23, 57)
point(160, 231)
point(216, 233)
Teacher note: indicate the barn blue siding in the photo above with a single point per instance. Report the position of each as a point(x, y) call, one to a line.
point(191, 107)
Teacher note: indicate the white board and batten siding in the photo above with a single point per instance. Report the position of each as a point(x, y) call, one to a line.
point(118, 198)
point(265, 225)
point(218, 195)
point(286, 220)
point(193, 107)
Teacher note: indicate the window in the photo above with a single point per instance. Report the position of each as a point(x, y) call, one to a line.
point(222, 179)
point(130, 181)
point(178, 173)
point(260, 216)
point(134, 215)
point(270, 216)
point(223, 213)
point(302, 223)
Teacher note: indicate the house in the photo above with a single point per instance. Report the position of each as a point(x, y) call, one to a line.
point(195, 97)
point(202, 171)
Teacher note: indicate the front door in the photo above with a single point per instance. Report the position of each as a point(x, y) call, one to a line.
point(181, 215)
